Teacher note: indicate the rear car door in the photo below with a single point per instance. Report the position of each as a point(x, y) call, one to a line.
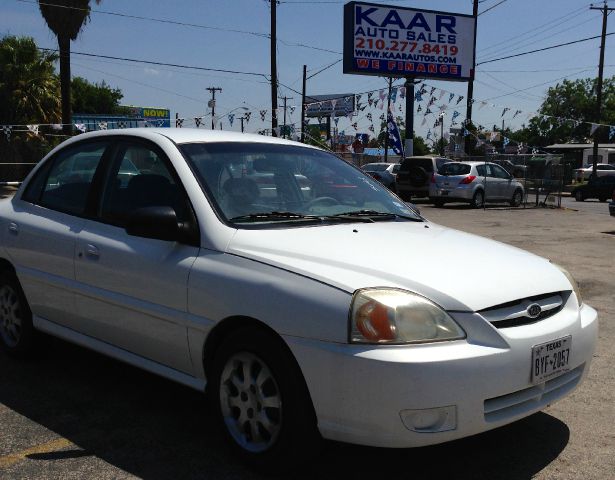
point(132, 291)
point(41, 231)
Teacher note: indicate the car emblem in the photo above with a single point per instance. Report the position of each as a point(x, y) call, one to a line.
point(533, 310)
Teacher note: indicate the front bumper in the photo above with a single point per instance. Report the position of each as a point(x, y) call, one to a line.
point(361, 392)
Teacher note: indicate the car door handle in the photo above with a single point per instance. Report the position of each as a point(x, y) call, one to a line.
point(13, 228)
point(92, 251)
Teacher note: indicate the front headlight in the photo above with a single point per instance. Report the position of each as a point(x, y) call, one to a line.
point(392, 316)
point(575, 286)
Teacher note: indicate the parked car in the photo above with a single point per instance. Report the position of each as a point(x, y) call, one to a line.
point(414, 175)
point(515, 169)
point(475, 183)
point(602, 169)
point(385, 173)
point(612, 205)
point(189, 272)
point(601, 188)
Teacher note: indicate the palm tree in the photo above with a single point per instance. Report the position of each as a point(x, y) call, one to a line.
point(29, 86)
point(65, 18)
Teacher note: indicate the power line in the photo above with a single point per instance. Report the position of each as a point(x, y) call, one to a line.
point(526, 42)
point(151, 62)
point(542, 49)
point(184, 24)
point(492, 7)
point(539, 27)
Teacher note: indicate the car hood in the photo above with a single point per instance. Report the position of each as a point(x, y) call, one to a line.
point(457, 270)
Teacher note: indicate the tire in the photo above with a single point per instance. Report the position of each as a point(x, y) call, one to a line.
point(438, 203)
point(418, 176)
point(271, 438)
point(478, 200)
point(17, 335)
point(517, 198)
point(602, 199)
point(578, 196)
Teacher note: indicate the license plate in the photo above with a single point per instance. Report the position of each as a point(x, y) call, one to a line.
point(443, 192)
point(550, 359)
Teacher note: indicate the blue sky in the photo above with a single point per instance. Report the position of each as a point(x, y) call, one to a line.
point(514, 26)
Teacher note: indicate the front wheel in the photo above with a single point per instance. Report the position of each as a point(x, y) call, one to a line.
point(478, 200)
point(262, 401)
point(517, 198)
point(578, 196)
point(16, 331)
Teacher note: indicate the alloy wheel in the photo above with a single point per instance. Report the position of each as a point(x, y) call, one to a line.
point(10, 316)
point(251, 402)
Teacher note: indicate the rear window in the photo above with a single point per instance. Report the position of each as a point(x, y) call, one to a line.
point(454, 169)
point(375, 167)
point(425, 163)
point(396, 168)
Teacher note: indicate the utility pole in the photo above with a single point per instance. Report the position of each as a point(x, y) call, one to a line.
point(285, 98)
point(605, 13)
point(212, 104)
point(386, 122)
point(274, 71)
point(303, 104)
point(442, 134)
point(241, 119)
point(470, 95)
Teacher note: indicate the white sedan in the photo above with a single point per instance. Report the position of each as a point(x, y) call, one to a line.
point(190, 269)
point(602, 169)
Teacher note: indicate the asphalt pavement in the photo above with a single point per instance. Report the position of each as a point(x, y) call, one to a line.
point(71, 413)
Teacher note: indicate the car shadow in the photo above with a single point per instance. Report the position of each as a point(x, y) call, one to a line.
point(155, 429)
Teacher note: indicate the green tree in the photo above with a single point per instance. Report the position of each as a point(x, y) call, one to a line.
point(29, 86)
point(95, 98)
point(65, 18)
point(575, 100)
point(29, 94)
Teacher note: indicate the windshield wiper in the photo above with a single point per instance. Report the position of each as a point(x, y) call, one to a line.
point(274, 216)
point(374, 213)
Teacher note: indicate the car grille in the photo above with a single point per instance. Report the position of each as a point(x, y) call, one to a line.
point(539, 396)
point(515, 313)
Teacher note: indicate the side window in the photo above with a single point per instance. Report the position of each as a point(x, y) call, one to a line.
point(140, 178)
point(499, 172)
point(64, 186)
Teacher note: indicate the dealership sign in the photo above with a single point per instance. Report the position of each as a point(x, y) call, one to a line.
point(338, 105)
point(407, 42)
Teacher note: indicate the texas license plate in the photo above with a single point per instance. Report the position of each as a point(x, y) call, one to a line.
point(550, 359)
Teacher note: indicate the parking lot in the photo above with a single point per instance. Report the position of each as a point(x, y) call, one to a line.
point(74, 414)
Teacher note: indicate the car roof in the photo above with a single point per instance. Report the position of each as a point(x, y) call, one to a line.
point(190, 135)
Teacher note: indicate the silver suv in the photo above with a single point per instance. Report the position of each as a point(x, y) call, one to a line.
point(476, 183)
point(414, 175)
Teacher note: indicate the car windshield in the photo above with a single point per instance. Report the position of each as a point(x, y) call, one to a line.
point(264, 183)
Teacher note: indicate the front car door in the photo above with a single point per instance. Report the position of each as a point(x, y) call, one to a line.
point(132, 291)
point(504, 181)
point(42, 227)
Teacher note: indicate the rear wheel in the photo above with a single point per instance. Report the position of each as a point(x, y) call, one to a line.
point(262, 402)
point(438, 203)
point(578, 196)
point(603, 199)
point(517, 198)
point(16, 330)
point(478, 200)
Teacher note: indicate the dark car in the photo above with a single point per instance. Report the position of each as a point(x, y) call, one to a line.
point(599, 187)
point(385, 173)
point(414, 175)
point(516, 170)
point(612, 206)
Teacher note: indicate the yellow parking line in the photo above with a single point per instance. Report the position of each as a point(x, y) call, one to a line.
point(53, 445)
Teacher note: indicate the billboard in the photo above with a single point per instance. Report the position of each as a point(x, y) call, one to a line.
point(338, 105)
point(407, 42)
point(157, 117)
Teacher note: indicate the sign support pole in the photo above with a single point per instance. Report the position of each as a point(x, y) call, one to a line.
point(409, 143)
point(386, 123)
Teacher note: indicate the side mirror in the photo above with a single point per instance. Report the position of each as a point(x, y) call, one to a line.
point(159, 223)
